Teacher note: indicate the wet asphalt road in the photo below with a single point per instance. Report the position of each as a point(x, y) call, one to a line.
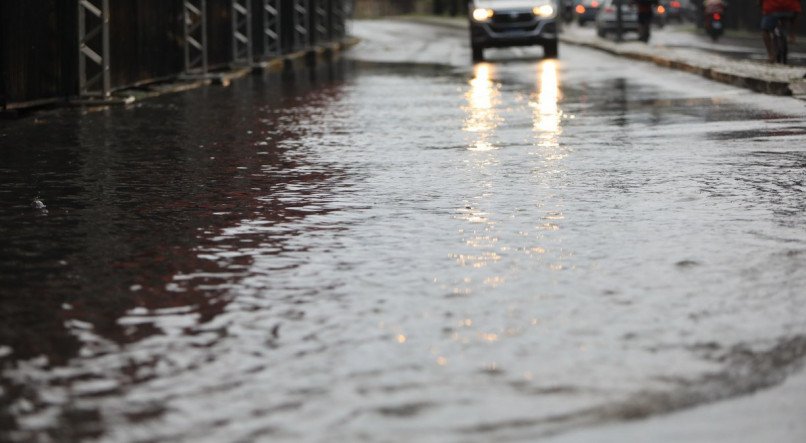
point(401, 246)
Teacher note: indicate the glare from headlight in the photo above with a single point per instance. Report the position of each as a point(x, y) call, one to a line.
point(482, 14)
point(543, 11)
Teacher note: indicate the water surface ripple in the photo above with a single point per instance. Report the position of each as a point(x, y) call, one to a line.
point(386, 253)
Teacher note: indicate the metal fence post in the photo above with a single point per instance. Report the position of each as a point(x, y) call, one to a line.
point(195, 15)
point(271, 28)
point(320, 20)
point(338, 19)
point(242, 31)
point(302, 36)
point(98, 84)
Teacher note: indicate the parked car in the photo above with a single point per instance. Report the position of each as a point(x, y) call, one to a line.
point(606, 18)
point(586, 11)
point(504, 23)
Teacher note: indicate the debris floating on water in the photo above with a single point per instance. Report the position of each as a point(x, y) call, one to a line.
point(39, 206)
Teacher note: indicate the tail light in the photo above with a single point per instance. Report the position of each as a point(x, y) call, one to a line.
point(610, 9)
point(675, 4)
point(580, 9)
point(717, 16)
point(594, 4)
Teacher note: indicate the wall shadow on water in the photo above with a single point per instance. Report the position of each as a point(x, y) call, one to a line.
point(131, 196)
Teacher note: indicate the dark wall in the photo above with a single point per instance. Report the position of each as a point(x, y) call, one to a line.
point(287, 31)
point(219, 32)
point(36, 46)
point(146, 40)
point(39, 44)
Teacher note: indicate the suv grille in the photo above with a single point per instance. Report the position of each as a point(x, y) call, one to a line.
point(505, 18)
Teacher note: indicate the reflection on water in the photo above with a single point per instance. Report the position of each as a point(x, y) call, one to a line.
point(547, 114)
point(548, 128)
point(153, 214)
point(483, 98)
point(482, 119)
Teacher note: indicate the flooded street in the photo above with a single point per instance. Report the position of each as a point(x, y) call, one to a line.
point(400, 247)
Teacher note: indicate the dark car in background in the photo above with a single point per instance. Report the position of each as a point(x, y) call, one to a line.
point(674, 10)
point(504, 23)
point(606, 18)
point(660, 15)
point(586, 10)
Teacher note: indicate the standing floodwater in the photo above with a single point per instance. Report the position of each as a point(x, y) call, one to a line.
point(399, 252)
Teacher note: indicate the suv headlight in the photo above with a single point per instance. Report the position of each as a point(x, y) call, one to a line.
point(543, 11)
point(482, 14)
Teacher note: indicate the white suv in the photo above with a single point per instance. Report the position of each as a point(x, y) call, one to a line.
point(503, 23)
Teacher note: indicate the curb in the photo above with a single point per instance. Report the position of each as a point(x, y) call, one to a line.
point(762, 85)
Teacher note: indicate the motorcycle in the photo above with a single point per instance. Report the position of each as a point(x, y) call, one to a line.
point(713, 20)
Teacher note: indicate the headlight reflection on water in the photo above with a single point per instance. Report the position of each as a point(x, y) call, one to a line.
point(546, 111)
point(482, 98)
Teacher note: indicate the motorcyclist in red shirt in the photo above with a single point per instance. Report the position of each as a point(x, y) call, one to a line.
point(774, 11)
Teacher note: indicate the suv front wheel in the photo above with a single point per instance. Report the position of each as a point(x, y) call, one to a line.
point(478, 53)
point(550, 49)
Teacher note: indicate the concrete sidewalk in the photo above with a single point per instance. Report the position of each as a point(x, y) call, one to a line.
point(681, 50)
point(676, 48)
